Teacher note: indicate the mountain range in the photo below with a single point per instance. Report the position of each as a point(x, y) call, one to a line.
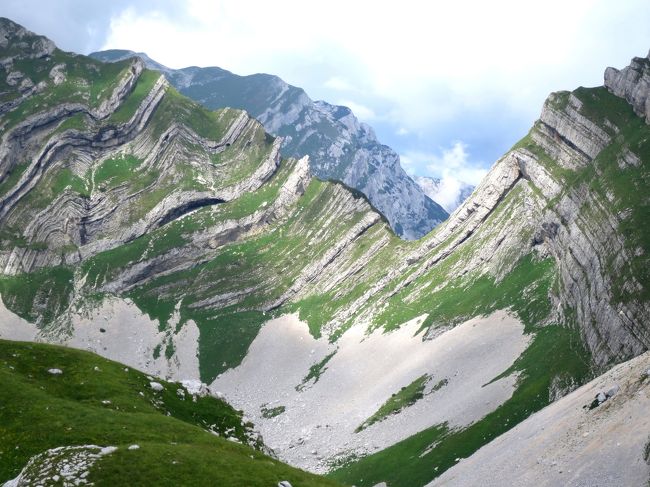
point(139, 225)
point(340, 148)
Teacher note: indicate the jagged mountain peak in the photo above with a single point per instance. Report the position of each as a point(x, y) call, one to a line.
point(633, 84)
point(19, 43)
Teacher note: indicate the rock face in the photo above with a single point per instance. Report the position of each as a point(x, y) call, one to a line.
point(633, 84)
point(118, 193)
point(340, 148)
point(19, 43)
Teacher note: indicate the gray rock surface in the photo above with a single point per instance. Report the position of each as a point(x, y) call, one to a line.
point(22, 43)
point(567, 444)
point(633, 84)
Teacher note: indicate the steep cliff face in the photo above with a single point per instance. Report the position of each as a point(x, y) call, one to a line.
point(340, 148)
point(594, 228)
point(138, 224)
point(633, 84)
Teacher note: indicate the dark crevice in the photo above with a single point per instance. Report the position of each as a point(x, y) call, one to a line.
point(186, 208)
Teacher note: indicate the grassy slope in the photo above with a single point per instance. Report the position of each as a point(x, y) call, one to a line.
point(87, 81)
point(39, 411)
point(556, 351)
point(405, 397)
point(267, 261)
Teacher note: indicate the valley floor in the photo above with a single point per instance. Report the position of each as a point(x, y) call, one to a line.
point(319, 405)
point(324, 420)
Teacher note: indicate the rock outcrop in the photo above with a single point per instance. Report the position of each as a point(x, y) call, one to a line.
point(573, 445)
point(633, 84)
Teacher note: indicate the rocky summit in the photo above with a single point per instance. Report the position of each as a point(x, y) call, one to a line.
point(257, 316)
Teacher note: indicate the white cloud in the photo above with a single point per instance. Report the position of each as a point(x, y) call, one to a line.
point(441, 59)
point(426, 69)
point(362, 112)
point(339, 84)
point(406, 160)
point(449, 193)
point(455, 157)
point(446, 192)
point(453, 162)
point(453, 167)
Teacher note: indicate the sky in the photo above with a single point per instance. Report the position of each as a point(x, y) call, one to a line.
point(449, 85)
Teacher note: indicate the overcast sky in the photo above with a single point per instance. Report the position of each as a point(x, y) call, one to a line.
point(449, 85)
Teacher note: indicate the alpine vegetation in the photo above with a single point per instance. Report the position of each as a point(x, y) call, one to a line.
point(182, 299)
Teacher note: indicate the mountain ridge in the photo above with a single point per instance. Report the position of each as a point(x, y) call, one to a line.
point(340, 147)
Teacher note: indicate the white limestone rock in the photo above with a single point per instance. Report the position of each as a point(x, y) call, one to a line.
point(633, 84)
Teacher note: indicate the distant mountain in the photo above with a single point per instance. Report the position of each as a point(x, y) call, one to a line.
point(448, 193)
point(340, 148)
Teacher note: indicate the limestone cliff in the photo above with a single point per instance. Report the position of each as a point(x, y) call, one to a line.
point(633, 84)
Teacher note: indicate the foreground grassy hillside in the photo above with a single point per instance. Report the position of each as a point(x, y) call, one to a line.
point(93, 401)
